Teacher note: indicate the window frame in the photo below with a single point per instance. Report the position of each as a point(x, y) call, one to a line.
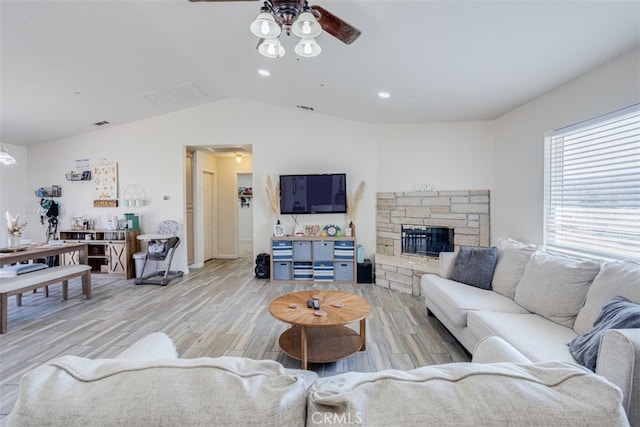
point(591, 202)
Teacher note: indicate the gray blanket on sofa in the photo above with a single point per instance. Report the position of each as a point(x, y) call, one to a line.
point(618, 313)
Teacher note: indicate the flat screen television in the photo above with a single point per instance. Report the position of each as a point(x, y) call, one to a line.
point(312, 194)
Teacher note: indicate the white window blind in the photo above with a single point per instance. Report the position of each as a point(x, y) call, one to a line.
point(592, 187)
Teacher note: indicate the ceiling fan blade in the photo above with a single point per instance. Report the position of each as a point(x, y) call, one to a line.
point(336, 26)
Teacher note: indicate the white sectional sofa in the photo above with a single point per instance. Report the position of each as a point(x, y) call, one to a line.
point(148, 385)
point(538, 303)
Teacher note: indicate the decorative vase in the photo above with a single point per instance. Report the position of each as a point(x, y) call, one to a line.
point(278, 229)
point(14, 241)
point(352, 226)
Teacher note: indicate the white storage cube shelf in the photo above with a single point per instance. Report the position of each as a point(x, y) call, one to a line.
point(313, 259)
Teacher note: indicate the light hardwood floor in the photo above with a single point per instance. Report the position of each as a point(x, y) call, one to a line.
point(220, 309)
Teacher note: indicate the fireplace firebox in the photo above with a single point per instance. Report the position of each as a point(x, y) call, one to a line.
point(426, 241)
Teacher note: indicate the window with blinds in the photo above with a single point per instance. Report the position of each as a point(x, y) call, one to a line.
point(592, 187)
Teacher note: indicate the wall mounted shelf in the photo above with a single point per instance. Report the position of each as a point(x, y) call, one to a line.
point(78, 176)
point(54, 191)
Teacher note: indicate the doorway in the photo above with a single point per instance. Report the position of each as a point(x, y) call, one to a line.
point(245, 214)
point(216, 205)
point(208, 215)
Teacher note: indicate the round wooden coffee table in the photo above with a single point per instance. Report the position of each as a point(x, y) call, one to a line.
point(324, 338)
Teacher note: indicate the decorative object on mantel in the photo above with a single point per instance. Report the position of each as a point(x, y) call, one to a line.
point(273, 195)
point(353, 200)
point(14, 229)
point(425, 187)
point(105, 180)
point(134, 195)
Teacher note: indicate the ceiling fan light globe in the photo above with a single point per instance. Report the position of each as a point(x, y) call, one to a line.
point(271, 48)
point(308, 48)
point(265, 26)
point(306, 26)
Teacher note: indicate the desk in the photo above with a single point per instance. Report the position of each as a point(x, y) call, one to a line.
point(40, 250)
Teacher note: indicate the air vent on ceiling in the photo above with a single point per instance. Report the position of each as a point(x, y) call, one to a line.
point(304, 107)
point(183, 94)
point(102, 123)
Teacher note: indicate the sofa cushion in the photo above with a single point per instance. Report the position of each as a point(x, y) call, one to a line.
point(619, 313)
point(73, 391)
point(456, 299)
point(493, 349)
point(555, 286)
point(470, 394)
point(512, 260)
point(474, 266)
point(614, 278)
point(536, 337)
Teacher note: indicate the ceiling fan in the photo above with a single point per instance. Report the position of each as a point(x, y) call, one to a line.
point(286, 12)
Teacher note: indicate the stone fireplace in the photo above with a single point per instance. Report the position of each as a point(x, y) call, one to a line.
point(465, 213)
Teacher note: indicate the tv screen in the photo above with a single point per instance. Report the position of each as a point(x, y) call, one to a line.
point(309, 194)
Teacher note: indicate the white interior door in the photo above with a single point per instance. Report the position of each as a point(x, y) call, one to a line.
point(209, 218)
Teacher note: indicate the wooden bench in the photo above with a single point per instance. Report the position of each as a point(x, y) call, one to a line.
point(16, 286)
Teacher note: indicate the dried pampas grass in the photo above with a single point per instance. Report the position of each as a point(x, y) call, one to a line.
point(273, 195)
point(353, 200)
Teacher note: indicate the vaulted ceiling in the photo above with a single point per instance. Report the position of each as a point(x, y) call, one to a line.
point(68, 64)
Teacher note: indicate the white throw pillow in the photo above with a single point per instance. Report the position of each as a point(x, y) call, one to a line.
point(512, 260)
point(614, 278)
point(555, 286)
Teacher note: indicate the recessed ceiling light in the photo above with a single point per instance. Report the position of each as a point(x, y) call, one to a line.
point(384, 94)
point(264, 73)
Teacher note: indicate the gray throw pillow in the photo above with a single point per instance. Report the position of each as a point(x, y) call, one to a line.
point(619, 313)
point(474, 266)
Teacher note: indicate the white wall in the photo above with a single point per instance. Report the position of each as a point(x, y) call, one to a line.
point(151, 153)
point(517, 199)
point(15, 194)
point(451, 156)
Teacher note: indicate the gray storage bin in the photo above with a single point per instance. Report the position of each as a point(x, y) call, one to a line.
point(282, 270)
point(302, 251)
point(343, 271)
point(323, 250)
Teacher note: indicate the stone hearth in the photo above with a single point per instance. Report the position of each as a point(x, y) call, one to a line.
point(467, 212)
